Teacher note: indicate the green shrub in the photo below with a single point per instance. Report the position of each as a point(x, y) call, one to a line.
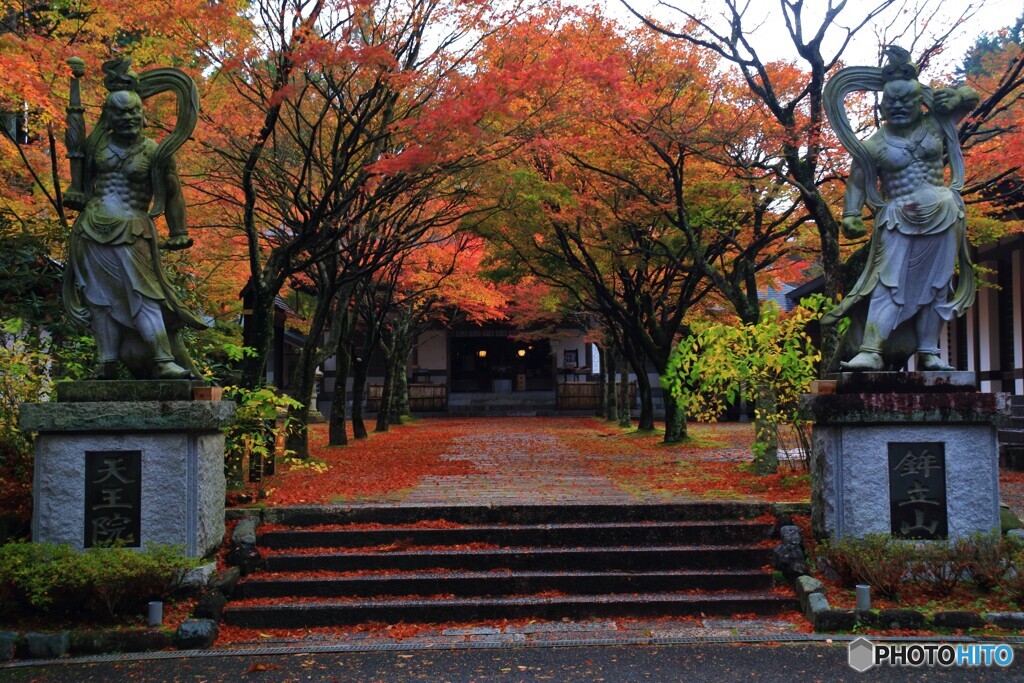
point(256, 429)
point(875, 559)
point(1012, 580)
point(769, 364)
point(24, 377)
point(104, 583)
point(35, 575)
point(30, 363)
point(988, 558)
point(940, 567)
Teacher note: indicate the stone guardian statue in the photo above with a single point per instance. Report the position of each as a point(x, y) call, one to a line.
point(918, 247)
point(114, 282)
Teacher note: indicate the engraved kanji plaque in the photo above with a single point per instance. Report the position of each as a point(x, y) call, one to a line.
point(113, 498)
point(917, 490)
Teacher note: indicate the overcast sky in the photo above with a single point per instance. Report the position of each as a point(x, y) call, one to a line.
point(772, 42)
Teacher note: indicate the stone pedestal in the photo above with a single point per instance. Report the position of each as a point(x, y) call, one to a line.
point(136, 471)
point(914, 455)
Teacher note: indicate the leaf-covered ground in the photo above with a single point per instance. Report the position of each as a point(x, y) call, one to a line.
point(383, 467)
point(508, 459)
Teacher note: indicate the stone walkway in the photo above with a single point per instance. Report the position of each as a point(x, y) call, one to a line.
point(625, 631)
point(518, 464)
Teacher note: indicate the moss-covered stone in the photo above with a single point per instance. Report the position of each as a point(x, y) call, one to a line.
point(106, 641)
point(8, 643)
point(1007, 520)
point(899, 618)
point(831, 620)
point(226, 581)
point(126, 390)
point(196, 634)
point(127, 416)
point(957, 619)
point(916, 408)
point(45, 645)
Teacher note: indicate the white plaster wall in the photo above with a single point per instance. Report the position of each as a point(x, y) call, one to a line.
point(433, 350)
point(1018, 323)
point(972, 341)
point(988, 325)
point(569, 340)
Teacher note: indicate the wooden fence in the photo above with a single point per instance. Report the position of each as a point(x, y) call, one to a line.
point(423, 398)
point(585, 395)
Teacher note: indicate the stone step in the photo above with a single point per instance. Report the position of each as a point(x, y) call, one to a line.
point(430, 563)
point(570, 513)
point(491, 583)
point(528, 558)
point(1017, 406)
point(1011, 436)
point(280, 614)
point(495, 411)
point(502, 401)
point(512, 535)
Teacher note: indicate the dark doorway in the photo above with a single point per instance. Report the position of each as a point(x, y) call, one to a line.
point(498, 364)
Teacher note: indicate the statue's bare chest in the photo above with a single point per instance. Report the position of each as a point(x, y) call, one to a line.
point(122, 181)
point(923, 147)
point(130, 166)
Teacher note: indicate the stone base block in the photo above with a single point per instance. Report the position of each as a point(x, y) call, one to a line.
point(851, 471)
point(173, 491)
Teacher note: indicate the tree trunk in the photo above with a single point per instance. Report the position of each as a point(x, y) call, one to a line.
point(386, 394)
point(602, 407)
point(400, 404)
point(359, 368)
point(625, 405)
point(337, 431)
point(611, 405)
point(646, 420)
point(399, 392)
point(675, 419)
point(766, 442)
point(259, 336)
point(297, 439)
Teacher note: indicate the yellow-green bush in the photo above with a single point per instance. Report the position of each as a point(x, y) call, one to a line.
point(102, 583)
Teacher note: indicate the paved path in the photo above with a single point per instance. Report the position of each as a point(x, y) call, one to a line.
point(520, 464)
point(621, 631)
point(716, 662)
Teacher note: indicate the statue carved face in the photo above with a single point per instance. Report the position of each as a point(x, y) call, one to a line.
point(901, 102)
point(124, 114)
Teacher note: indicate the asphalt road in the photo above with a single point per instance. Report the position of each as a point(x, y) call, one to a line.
point(793, 663)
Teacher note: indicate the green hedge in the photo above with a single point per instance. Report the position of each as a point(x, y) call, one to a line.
point(103, 583)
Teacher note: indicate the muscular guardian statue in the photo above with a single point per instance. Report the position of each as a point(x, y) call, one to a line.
point(114, 282)
point(905, 294)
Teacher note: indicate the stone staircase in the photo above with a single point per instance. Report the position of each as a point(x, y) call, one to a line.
point(517, 404)
point(1011, 436)
point(334, 566)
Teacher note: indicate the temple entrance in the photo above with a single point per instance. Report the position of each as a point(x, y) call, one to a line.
point(498, 364)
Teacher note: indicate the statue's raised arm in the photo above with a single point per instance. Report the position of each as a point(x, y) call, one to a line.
point(918, 242)
point(114, 282)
